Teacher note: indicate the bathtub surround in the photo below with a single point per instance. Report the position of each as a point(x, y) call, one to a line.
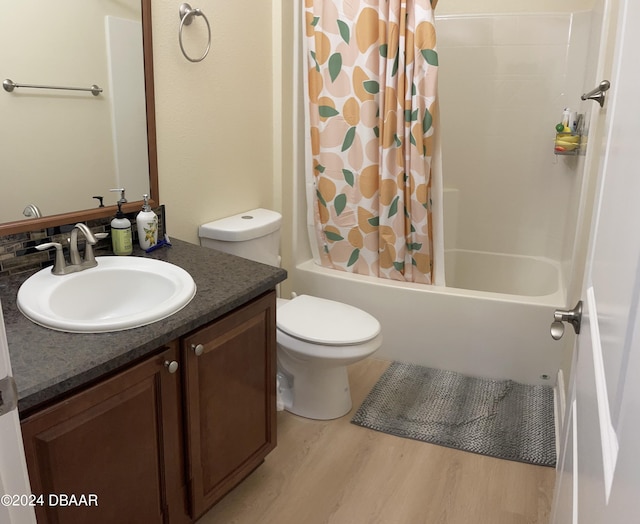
point(517, 205)
point(499, 418)
point(373, 182)
point(504, 80)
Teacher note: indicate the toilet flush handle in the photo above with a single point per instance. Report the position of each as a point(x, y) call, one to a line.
point(198, 349)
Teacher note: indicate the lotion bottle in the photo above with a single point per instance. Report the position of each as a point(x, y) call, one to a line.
point(121, 239)
point(147, 223)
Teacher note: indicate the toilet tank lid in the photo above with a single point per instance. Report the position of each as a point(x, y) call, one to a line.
point(243, 226)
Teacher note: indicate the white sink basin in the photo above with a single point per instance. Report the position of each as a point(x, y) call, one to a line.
point(120, 293)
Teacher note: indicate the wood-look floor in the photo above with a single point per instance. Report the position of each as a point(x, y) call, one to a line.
point(337, 472)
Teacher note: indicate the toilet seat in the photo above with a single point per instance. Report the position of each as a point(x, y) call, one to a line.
point(326, 322)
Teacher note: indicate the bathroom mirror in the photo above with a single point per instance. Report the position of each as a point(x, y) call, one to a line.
point(60, 148)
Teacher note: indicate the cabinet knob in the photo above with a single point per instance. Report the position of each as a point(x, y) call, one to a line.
point(198, 349)
point(171, 366)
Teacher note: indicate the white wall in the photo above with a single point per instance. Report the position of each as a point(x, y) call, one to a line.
point(215, 118)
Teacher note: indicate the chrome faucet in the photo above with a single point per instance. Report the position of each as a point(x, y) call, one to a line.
point(90, 240)
point(60, 266)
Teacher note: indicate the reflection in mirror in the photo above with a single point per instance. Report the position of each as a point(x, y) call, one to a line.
point(61, 149)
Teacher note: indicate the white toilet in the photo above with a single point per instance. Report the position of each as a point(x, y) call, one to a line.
point(317, 338)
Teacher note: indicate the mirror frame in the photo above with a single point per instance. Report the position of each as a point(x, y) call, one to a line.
point(32, 224)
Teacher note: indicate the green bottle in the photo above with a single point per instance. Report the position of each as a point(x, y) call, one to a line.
point(121, 239)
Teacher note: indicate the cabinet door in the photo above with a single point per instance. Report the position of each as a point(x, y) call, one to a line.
point(230, 399)
point(115, 447)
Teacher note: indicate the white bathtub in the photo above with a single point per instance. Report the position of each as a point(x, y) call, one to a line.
point(492, 319)
point(517, 275)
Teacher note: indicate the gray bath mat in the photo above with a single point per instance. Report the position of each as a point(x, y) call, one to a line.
point(499, 418)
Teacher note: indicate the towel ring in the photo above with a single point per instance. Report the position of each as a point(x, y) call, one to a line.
point(186, 17)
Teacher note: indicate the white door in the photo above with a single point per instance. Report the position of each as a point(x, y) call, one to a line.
point(14, 482)
point(599, 476)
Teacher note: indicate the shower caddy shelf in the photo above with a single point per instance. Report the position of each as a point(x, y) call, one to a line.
point(579, 150)
point(598, 94)
point(570, 142)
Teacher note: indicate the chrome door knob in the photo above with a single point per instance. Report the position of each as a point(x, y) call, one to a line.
point(557, 330)
point(198, 349)
point(573, 316)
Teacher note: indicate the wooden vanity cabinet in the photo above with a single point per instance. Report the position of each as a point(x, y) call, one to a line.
point(118, 444)
point(162, 441)
point(230, 405)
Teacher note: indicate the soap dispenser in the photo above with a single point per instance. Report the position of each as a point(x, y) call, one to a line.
point(147, 223)
point(121, 229)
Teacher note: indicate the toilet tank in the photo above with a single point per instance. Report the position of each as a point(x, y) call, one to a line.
point(254, 235)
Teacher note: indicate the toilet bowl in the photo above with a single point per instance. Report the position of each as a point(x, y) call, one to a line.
point(316, 338)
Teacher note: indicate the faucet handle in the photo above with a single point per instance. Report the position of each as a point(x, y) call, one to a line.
point(59, 265)
point(47, 245)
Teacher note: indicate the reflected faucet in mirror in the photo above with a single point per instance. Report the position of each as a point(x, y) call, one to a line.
point(32, 211)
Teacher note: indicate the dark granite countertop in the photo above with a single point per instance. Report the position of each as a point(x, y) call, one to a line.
point(47, 364)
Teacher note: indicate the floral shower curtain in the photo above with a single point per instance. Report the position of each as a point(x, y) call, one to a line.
point(374, 183)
